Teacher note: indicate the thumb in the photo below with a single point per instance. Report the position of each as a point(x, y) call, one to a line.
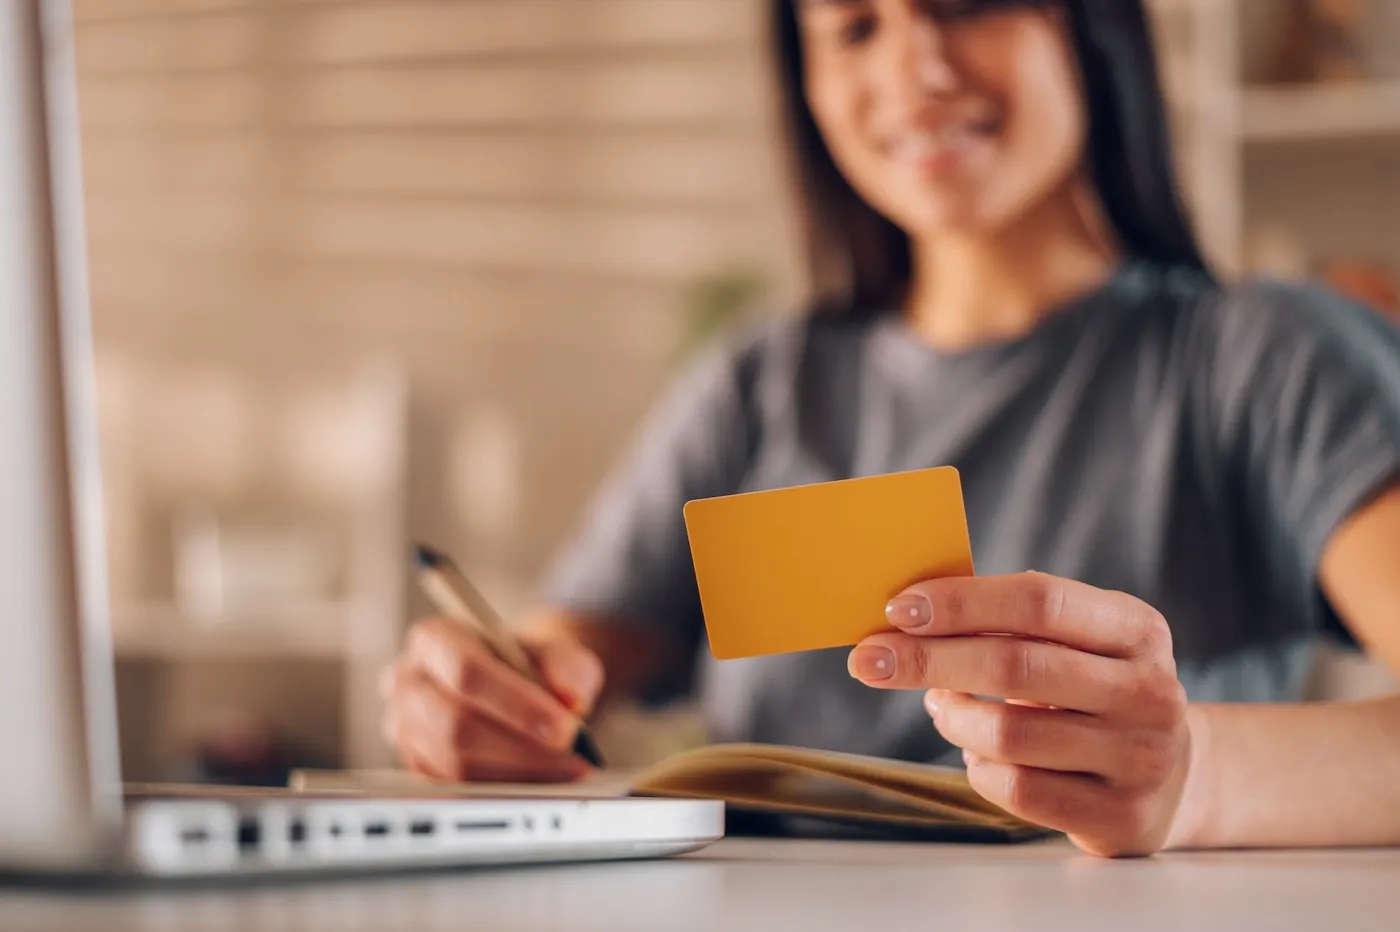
point(572, 672)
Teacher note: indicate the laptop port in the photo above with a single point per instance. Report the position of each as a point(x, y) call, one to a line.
point(296, 832)
point(483, 826)
point(194, 835)
point(421, 827)
point(376, 829)
point(249, 834)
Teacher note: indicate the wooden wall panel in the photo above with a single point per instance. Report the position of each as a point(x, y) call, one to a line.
point(710, 90)
point(699, 168)
point(514, 198)
point(400, 31)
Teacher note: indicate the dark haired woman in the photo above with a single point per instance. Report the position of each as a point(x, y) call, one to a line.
point(1204, 478)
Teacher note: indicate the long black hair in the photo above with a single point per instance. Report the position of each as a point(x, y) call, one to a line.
point(859, 260)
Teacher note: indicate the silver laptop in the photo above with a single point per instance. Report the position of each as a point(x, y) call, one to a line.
point(61, 804)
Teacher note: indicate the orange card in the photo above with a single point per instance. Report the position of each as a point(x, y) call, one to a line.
point(813, 566)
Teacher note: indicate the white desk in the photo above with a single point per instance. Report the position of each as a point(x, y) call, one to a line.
point(807, 886)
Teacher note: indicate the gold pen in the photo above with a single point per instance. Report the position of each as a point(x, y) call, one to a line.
point(453, 594)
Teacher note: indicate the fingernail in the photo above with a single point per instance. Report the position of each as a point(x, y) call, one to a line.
point(967, 757)
point(871, 663)
point(931, 702)
point(909, 611)
point(580, 680)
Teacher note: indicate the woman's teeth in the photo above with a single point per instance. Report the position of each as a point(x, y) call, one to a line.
point(931, 144)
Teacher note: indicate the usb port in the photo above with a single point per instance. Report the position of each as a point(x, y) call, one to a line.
point(421, 827)
point(376, 829)
point(249, 834)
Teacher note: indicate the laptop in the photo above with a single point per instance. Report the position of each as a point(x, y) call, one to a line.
point(62, 808)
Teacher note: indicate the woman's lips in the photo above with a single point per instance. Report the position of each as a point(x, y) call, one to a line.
point(943, 149)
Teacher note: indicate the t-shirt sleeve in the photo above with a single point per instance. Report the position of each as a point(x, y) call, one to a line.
point(1305, 408)
point(630, 562)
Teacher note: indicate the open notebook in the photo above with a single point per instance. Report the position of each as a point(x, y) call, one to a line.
point(865, 792)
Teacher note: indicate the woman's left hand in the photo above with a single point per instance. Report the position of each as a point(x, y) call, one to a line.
point(1094, 739)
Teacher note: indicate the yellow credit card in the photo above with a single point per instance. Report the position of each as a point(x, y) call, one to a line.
point(813, 566)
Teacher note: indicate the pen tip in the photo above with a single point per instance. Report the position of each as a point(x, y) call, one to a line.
point(587, 748)
point(427, 558)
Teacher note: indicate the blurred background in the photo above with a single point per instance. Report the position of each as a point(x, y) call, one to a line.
point(366, 271)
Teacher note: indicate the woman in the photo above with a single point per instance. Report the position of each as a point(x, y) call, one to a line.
point(1205, 478)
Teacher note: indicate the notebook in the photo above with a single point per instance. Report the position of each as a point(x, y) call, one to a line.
point(888, 797)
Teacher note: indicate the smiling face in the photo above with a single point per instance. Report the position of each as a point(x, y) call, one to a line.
point(945, 115)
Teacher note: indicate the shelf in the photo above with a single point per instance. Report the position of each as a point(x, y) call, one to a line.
point(162, 632)
point(1337, 111)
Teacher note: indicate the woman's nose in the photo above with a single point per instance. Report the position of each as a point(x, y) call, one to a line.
point(914, 61)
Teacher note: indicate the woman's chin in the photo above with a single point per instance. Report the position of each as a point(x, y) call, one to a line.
point(953, 217)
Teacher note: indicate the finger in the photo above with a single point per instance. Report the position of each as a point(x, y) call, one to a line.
point(407, 726)
point(573, 672)
point(390, 676)
point(465, 666)
point(417, 763)
point(396, 736)
point(1016, 668)
point(1078, 805)
point(1049, 739)
point(453, 738)
point(1032, 605)
point(421, 750)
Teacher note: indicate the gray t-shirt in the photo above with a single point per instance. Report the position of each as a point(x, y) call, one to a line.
point(1192, 445)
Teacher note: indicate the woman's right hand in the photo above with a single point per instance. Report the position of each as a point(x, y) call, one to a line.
point(455, 711)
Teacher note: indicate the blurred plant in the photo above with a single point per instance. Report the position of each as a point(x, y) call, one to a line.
point(716, 303)
point(1367, 282)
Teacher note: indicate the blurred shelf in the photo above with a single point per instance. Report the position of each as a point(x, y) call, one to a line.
point(1332, 111)
point(317, 631)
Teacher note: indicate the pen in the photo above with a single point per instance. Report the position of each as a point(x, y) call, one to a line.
point(453, 594)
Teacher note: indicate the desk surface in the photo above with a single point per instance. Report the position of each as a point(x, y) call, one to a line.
point(745, 884)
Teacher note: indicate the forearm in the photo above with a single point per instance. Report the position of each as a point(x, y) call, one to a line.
point(1293, 775)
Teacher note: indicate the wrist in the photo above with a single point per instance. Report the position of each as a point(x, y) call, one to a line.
point(1195, 811)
